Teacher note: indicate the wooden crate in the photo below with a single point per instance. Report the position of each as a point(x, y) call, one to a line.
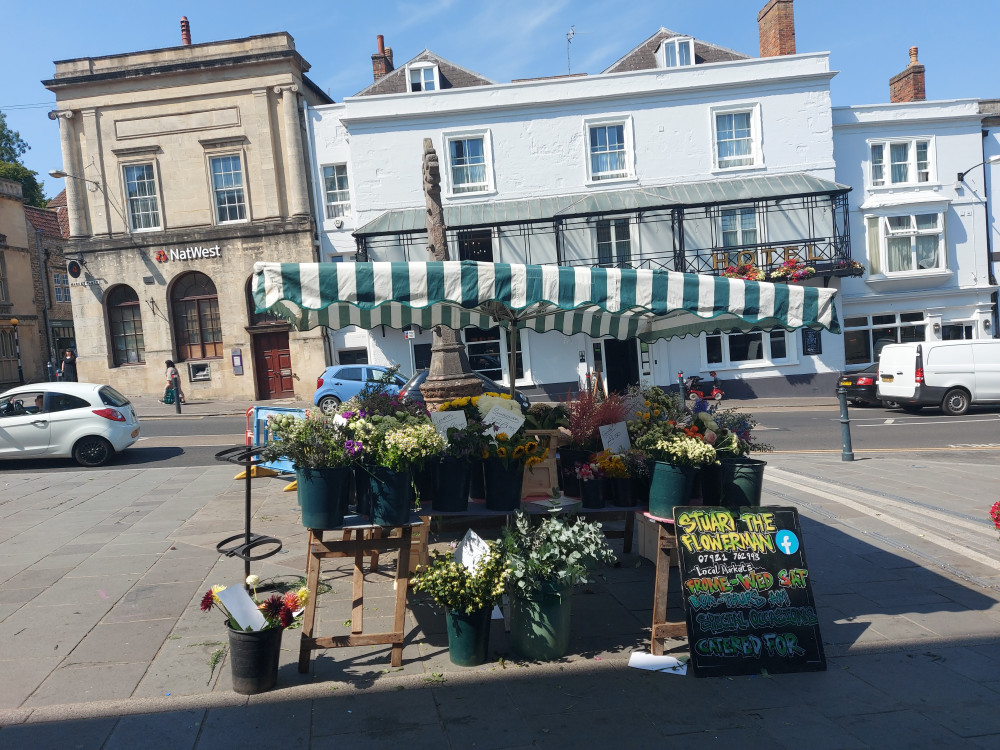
point(539, 480)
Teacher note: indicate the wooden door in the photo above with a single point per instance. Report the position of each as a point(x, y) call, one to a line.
point(273, 365)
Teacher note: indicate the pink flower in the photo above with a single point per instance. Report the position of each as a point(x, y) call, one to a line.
point(710, 437)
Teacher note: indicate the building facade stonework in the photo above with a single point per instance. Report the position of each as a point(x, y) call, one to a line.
point(185, 166)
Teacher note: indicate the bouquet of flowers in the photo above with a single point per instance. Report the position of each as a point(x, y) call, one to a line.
point(518, 449)
point(651, 407)
point(313, 442)
point(613, 465)
point(730, 431)
point(279, 610)
point(586, 415)
point(408, 446)
point(466, 442)
point(589, 471)
point(451, 584)
point(476, 407)
point(995, 514)
point(853, 267)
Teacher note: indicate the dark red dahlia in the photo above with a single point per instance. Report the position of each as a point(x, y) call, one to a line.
point(287, 618)
point(207, 601)
point(272, 607)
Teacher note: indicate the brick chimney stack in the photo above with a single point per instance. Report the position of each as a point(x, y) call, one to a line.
point(908, 86)
point(382, 60)
point(185, 31)
point(776, 25)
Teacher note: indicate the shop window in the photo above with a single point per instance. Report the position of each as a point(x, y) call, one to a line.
point(197, 325)
point(866, 335)
point(488, 353)
point(125, 325)
point(750, 348)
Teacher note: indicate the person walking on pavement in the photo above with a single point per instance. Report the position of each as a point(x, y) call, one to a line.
point(171, 374)
point(67, 368)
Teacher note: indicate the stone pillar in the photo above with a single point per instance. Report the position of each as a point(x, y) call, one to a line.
point(74, 185)
point(295, 167)
point(450, 375)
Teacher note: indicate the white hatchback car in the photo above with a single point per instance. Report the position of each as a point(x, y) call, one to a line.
point(88, 422)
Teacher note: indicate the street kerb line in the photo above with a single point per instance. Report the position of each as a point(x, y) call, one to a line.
point(897, 522)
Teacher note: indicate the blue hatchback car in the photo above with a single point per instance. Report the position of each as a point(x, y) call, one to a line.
point(341, 382)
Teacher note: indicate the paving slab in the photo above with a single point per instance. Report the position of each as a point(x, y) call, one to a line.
point(176, 730)
point(77, 683)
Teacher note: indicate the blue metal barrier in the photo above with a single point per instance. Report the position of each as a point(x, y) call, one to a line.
point(261, 434)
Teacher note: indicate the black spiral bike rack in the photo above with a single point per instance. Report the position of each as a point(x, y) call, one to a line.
point(243, 545)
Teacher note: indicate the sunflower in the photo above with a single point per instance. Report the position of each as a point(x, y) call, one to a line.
point(519, 451)
point(503, 437)
point(501, 451)
point(531, 446)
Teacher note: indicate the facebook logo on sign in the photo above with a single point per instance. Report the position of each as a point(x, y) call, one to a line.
point(787, 542)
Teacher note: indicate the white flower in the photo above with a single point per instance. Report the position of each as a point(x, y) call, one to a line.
point(253, 580)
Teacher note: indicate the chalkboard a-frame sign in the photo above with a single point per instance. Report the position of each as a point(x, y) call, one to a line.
point(748, 602)
point(812, 342)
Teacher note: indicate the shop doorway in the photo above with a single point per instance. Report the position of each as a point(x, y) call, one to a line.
point(621, 364)
point(272, 361)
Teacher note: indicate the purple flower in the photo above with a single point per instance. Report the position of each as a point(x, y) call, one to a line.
point(353, 447)
point(348, 415)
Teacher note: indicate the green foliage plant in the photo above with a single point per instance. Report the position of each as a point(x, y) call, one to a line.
point(556, 552)
point(311, 442)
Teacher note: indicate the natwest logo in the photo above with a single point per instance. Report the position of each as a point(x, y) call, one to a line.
point(189, 253)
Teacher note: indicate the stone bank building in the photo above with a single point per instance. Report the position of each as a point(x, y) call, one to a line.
point(185, 166)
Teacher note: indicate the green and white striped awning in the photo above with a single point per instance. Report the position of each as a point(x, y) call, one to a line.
point(621, 303)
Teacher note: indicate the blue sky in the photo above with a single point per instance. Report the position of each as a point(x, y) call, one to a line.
point(868, 41)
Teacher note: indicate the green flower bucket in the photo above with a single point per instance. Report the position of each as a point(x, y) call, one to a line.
point(503, 484)
point(469, 637)
point(736, 482)
point(451, 488)
point(391, 495)
point(323, 495)
point(670, 486)
point(540, 621)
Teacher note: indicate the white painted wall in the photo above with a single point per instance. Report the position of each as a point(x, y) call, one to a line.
point(537, 134)
point(954, 127)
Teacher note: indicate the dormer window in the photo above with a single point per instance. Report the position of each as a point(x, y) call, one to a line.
point(676, 52)
point(423, 77)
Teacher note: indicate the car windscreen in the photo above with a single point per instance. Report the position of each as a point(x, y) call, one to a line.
point(111, 397)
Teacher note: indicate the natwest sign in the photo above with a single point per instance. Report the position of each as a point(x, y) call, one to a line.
point(195, 252)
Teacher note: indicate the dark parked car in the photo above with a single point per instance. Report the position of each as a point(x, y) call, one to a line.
point(860, 387)
point(412, 388)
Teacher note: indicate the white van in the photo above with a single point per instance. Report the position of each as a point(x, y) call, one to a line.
point(949, 374)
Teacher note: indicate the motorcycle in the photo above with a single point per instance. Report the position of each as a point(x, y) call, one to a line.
point(697, 391)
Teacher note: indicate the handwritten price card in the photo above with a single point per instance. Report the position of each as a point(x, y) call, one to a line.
point(443, 420)
point(500, 420)
point(614, 437)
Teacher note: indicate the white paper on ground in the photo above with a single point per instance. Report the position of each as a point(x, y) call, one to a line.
point(242, 608)
point(471, 550)
point(614, 437)
point(500, 420)
point(444, 419)
point(668, 664)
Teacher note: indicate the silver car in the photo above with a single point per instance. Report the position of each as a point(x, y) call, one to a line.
point(88, 422)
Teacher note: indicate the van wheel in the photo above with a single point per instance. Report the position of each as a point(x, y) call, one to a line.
point(955, 402)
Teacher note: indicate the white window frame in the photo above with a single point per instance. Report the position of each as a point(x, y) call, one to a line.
point(628, 173)
point(756, 154)
point(913, 170)
point(60, 286)
point(522, 347)
point(481, 188)
point(879, 231)
point(791, 352)
point(243, 187)
point(675, 48)
point(615, 258)
point(758, 230)
point(341, 207)
point(422, 68)
point(916, 322)
point(155, 182)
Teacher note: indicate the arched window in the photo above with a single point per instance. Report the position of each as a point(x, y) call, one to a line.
point(197, 326)
point(125, 323)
